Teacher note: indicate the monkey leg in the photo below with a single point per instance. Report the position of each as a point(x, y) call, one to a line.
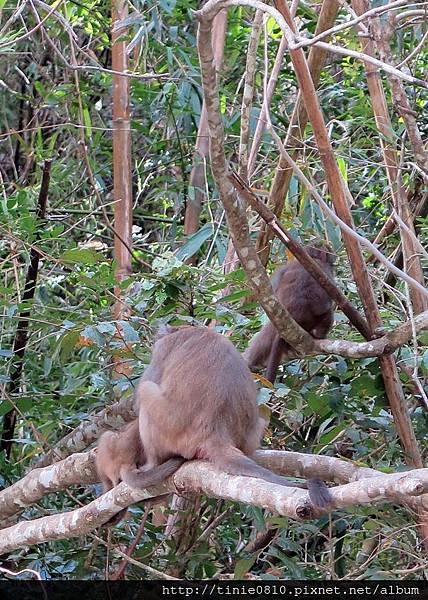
point(257, 353)
point(277, 351)
point(116, 519)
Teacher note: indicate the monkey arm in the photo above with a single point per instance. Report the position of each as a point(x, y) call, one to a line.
point(257, 353)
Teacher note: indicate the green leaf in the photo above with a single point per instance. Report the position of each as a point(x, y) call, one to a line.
point(194, 242)
point(66, 345)
point(277, 522)
point(318, 403)
point(5, 407)
point(342, 168)
point(83, 256)
point(94, 335)
point(128, 332)
point(87, 121)
point(236, 296)
point(332, 434)
point(107, 327)
point(243, 566)
point(365, 386)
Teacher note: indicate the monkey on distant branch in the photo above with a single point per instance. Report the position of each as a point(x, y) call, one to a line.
point(197, 400)
point(306, 301)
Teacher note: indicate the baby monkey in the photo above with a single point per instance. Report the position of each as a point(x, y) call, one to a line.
point(306, 301)
point(119, 454)
point(197, 400)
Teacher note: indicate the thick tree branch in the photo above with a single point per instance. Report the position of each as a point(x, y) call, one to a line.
point(80, 469)
point(201, 477)
point(257, 277)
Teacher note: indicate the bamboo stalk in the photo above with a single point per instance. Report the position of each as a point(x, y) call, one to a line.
point(391, 160)
point(122, 167)
point(358, 266)
point(298, 122)
point(201, 154)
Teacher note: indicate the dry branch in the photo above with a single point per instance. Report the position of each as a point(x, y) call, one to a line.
point(200, 157)
point(80, 468)
point(259, 281)
point(122, 173)
point(391, 159)
point(245, 165)
point(201, 477)
point(85, 434)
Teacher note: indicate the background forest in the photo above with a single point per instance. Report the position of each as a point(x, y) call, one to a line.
point(111, 223)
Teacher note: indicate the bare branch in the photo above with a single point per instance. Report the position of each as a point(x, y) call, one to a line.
point(205, 478)
point(85, 434)
point(248, 93)
point(294, 41)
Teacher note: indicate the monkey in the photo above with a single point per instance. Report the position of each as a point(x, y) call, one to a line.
point(306, 301)
point(121, 452)
point(117, 452)
point(197, 400)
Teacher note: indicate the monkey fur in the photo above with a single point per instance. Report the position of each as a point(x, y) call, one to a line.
point(197, 400)
point(121, 453)
point(306, 301)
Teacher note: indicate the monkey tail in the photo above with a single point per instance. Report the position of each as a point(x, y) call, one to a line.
point(319, 493)
point(137, 478)
point(235, 462)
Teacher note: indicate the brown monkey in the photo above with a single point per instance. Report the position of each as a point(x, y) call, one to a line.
point(120, 453)
point(197, 399)
point(306, 301)
point(117, 452)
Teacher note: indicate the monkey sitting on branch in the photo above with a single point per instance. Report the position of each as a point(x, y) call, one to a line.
point(120, 452)
point(196, 400)
point(306, 301)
